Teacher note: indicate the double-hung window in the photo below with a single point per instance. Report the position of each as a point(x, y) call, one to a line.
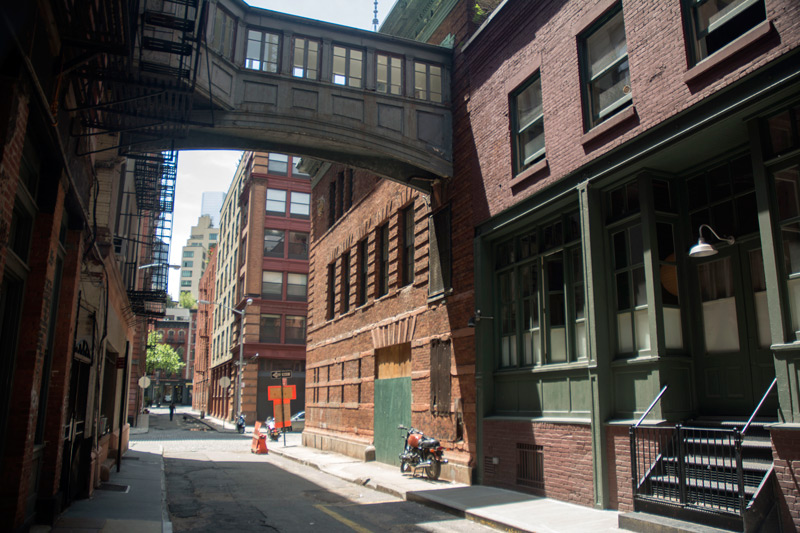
point(345, 285)
point(273, 242)
point(382, 270)
point(305, 62)
point(714, 24)
point(272, 285)
point(297, 287)
point(362, 272)
point(278, 164)
point(407, 220)
point(607, 81)
point(427, 82)
point(263, 51)
point(298, 245)
point(270, 328)
point(276, 202)
point(528, 124)
point(389, 74)
point(300, 206)
point(295, 329)
point(347, 66)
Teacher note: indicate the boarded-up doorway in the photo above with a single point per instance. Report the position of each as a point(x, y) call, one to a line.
point(392, 400)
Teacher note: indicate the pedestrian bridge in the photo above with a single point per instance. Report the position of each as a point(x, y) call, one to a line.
point(267, 81)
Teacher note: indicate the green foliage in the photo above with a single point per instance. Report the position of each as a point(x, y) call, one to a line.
point(187, 301)
point(162, 356)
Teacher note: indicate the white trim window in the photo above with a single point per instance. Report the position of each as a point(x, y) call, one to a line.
point(716, 23)
point(528, 124)
point(607, 79)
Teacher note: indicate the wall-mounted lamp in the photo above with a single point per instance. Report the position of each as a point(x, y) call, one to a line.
point(702, 248)
point(473, 320)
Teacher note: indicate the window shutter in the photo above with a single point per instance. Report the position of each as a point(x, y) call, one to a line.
point(439, 279)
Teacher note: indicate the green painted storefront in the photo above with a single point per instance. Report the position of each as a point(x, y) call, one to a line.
point(593, 304)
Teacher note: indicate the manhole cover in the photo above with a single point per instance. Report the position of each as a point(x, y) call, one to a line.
point(113, 487)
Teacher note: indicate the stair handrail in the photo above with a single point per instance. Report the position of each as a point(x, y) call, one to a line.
point(655, 401)
point(758, 407)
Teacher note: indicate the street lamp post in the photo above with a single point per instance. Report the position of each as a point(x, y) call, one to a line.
point(240, 375)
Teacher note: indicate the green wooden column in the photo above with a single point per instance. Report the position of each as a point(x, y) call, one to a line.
point(599, 325)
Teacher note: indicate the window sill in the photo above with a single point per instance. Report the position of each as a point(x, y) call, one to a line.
point(536, 168)
point(729, 52)
point(604, 127)
point(542, 369)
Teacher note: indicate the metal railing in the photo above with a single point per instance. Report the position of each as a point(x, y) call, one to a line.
point(698, 468)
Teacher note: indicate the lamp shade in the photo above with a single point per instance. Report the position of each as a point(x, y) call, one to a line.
point(702, 249)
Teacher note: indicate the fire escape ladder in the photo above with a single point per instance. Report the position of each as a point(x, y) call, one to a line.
point(154, 180)
point(140, 85)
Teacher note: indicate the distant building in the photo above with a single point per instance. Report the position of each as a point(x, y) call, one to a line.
point(195, 253)
point(177, 329)
point(202, 339)
point(263, 256)
point(211, 205)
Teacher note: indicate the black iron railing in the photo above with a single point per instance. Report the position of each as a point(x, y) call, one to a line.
point(709, 469)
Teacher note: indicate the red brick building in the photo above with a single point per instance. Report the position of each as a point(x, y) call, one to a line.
point(177, 329)
point(595, 144)
point(604, 140)
point(205, 324)
point(262, 270)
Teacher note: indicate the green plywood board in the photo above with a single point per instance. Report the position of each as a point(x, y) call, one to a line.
point(392, 408)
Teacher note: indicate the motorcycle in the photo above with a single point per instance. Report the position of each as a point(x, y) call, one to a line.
point(421, 452)
point(240, 424)
point(273, 432)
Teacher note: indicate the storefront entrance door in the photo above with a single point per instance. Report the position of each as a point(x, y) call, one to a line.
point(733, 363)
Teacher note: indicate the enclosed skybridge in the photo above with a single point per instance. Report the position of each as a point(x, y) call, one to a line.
point(273, 82)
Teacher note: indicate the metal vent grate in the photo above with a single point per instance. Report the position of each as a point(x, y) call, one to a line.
point(530, 465)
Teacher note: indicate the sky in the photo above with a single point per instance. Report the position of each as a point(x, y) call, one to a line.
point(200, 171)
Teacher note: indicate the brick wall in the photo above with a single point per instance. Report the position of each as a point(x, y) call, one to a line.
point(503, 56)
point(786, 461)
point(567, 458)
point(618, 446)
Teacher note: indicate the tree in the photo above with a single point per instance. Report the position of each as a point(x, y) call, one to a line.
point(162, 356)
point(186, 300)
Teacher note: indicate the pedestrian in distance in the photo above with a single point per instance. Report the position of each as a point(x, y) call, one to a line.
point(171, 410)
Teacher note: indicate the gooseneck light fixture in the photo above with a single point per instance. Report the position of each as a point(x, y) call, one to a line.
point(702, 248)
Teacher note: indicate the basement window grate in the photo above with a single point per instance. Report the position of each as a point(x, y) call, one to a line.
point(489, 468)
point(530, 465)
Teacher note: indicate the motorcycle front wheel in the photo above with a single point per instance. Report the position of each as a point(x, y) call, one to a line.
point(404, 466)
point(435, 469)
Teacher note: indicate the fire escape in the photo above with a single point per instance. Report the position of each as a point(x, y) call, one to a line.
point(134, 66)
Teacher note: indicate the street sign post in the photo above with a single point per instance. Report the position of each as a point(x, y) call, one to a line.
point(277, 374)
point(144, 382)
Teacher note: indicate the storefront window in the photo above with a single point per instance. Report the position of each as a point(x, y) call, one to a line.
point(541, 300)
point(787, 187)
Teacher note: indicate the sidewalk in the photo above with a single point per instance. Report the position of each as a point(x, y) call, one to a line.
point(499, 508)
point(132, 501)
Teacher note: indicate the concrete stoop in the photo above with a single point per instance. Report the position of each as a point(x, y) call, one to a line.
point(650, 523)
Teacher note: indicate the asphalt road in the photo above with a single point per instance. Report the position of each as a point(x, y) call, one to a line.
point(214, 484)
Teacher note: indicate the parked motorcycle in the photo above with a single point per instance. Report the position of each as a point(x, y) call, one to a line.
point(421, 452)
point(273, 432)
point(240, 423)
